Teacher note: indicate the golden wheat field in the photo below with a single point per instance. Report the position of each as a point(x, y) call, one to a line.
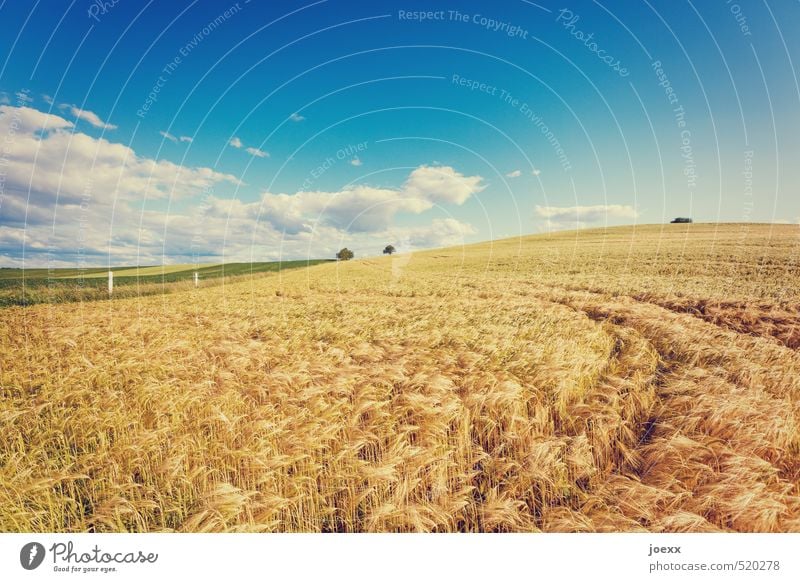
point(625, 379)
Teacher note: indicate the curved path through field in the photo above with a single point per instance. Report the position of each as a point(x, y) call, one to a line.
point(720, 449)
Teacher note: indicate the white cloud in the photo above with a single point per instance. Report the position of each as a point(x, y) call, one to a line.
point(360, 209)
point(28, 120)
point(296, 117)
point(237, 143)
point(168, 136)
point(47, 99)
point(174, 138)
point(536, 171)
point(366, 208)
point(90, 198)
point(514, 174)
point(86, 115)
point(441, 184)
point(257, 153)
point(54, 161)
point(356, 162)
point(23, 97)
point(583, 216)
point(442, 232)
point(72, 197)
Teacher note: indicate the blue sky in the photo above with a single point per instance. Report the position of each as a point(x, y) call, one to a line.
point(135, 132)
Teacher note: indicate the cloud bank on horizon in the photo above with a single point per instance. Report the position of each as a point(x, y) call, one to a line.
point(75, 199)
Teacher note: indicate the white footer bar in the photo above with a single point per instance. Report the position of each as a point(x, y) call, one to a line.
point(406, 557)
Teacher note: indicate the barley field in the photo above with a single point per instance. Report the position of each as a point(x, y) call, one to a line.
point(624, 379)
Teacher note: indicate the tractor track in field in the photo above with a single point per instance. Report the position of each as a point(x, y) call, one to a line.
point(776, 322)
point(715, 451)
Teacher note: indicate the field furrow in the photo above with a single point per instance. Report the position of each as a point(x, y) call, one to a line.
point(724, 439)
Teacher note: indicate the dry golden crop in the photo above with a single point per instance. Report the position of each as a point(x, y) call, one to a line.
point(627, 379)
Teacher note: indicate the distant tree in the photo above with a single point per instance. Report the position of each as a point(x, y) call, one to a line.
point(389, 250)
point(345, 254)
point(681, 220)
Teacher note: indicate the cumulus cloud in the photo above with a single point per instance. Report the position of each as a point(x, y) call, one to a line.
point(296, 117)
point(514, 174)
point(235, 143)
point(583, 216)
point(55, 162)
point(360, 209)
point(255, 152)
point(536, 171)
point(79, 200)
point(186, 139)
point(356, 162)
point(74, 199)
point(365, 208)
point(88, 116)
point(26, 120)
point(442, 184)
point(442, 232)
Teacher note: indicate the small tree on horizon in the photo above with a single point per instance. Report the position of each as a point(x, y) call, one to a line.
point(345, 254)
point(389, 250)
